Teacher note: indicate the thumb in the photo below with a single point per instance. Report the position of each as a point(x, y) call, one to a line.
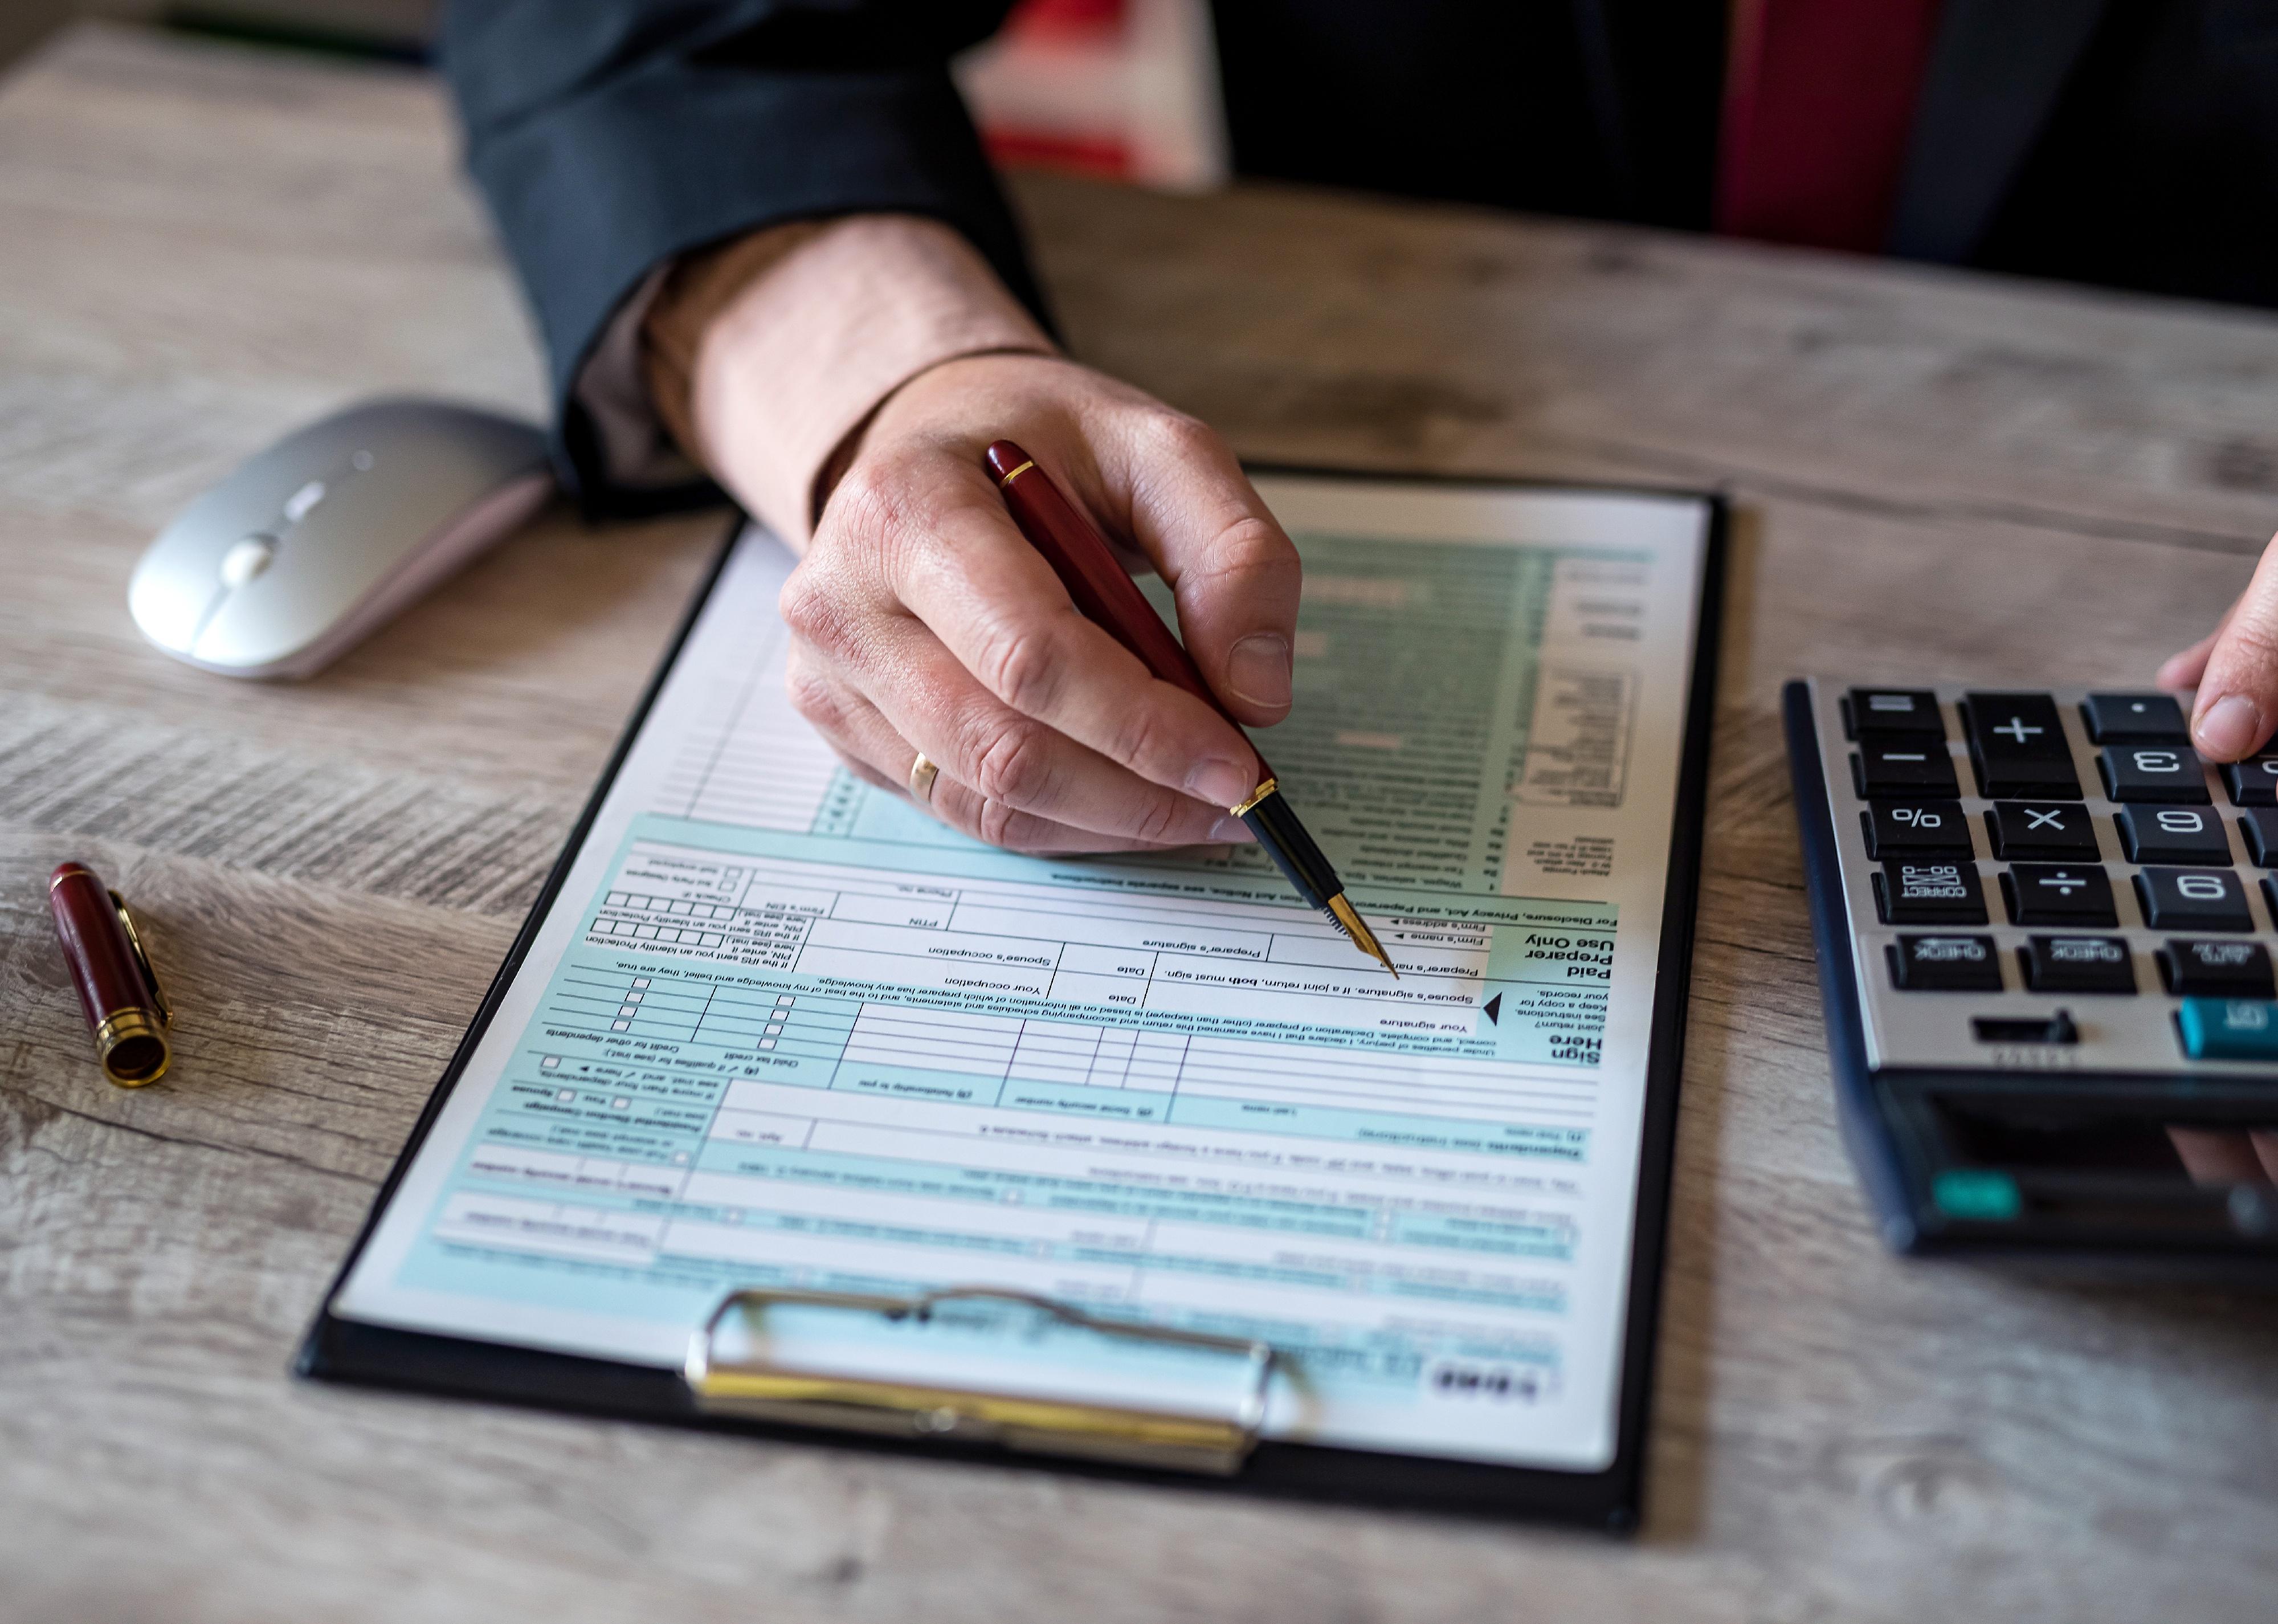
point(1232, 567)
point(2237, 704)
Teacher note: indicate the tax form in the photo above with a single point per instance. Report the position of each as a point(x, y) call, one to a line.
point(779, 1028)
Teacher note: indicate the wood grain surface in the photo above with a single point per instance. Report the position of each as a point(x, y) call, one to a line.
point(1938, 476)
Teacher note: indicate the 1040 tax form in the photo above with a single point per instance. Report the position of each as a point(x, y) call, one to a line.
point(776, 1027)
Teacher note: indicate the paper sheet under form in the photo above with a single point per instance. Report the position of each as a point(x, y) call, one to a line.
point(779, 1028)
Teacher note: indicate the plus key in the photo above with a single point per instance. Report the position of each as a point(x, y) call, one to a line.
point(2017, 744)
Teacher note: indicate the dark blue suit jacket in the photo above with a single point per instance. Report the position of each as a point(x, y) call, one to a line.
point(2133, 142)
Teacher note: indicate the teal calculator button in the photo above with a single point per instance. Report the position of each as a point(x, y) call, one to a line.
point(1977, 1193)
point(2239, 1029)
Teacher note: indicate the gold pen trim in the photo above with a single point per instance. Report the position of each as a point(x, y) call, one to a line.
point(124, 1041)
point(143, 961)
point(1255, 795)
point(1362, 938)
point(1017, 472)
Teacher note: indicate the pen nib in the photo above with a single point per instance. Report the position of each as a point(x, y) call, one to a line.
point(1356, 928)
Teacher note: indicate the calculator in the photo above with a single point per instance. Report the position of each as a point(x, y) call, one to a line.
point(2046, 930)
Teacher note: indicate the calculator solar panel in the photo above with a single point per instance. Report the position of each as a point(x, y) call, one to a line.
point(2046, 931)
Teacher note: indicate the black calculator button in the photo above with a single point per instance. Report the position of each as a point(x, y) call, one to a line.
point(2260, 825)
point(2133, 718)
point(2253, 782)
point(1916, 828)
point(2047, 832)
point(1883, 768)
point(1945, 964)
point(2077, 964)
point(1876, 712)
point(2169, 773)
point(2017, 744)
point(2193, 899)
point(2215, 969)
point(2173, 834)
point(2057, 893)
point(1927, 892)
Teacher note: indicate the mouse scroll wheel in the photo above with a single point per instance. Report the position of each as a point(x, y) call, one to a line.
point(246, 559)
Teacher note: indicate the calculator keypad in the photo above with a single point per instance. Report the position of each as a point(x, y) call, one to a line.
point(2049, 831)
point(2168, 773)
point(2132, 875)
point(2017, 747)
point(2172, 834)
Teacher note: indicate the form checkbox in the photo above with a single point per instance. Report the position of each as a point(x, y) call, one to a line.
point(621, 1104)
point(549, 1062)
point(618, 1026)
point(635, 997)
point(640, 980)
point(767, 1043)
point(774, 1031)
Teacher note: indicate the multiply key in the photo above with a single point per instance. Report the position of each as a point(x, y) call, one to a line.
point(2017, 744)
point(2053, 832)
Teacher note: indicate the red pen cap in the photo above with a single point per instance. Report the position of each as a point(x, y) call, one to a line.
point(126, 1010)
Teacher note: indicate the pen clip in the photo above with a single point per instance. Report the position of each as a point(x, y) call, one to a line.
point(142, 961)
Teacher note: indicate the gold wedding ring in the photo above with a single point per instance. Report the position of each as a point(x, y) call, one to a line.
point(922, 773)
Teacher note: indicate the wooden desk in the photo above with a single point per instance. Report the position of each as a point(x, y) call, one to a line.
point(1939, 475)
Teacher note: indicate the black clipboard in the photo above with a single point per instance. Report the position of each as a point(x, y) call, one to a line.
point(342, 1350)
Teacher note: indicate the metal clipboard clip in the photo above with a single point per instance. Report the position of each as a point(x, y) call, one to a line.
point(1176, 1439)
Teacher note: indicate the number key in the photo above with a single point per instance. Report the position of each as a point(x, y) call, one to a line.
point(2253, 782)
point(2193, 899)
point(2173, 834)
point(2169, 773)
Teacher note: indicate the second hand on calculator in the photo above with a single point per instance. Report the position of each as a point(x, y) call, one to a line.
point(1110, 600)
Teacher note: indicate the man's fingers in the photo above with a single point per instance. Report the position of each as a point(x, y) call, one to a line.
point(2238, 704)
point(994, 604)
point(1233, 568)
point(1017, 758)
point(2181, 671)
point(874, 751)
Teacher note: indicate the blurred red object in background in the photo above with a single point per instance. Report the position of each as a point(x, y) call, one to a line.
point(1122, 89)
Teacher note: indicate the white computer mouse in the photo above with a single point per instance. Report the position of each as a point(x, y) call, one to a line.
point(314, 543)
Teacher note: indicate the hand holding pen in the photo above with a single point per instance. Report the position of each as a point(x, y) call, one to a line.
point(922, 621)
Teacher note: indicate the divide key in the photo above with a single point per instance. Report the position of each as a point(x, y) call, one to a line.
point(2017, 744)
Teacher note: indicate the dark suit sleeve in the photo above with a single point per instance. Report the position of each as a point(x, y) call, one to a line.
point(610, 136)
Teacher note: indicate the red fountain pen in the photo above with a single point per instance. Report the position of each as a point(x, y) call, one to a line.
point(1111, 600)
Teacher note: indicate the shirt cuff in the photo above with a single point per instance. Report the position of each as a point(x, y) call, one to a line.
point(785, 342)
